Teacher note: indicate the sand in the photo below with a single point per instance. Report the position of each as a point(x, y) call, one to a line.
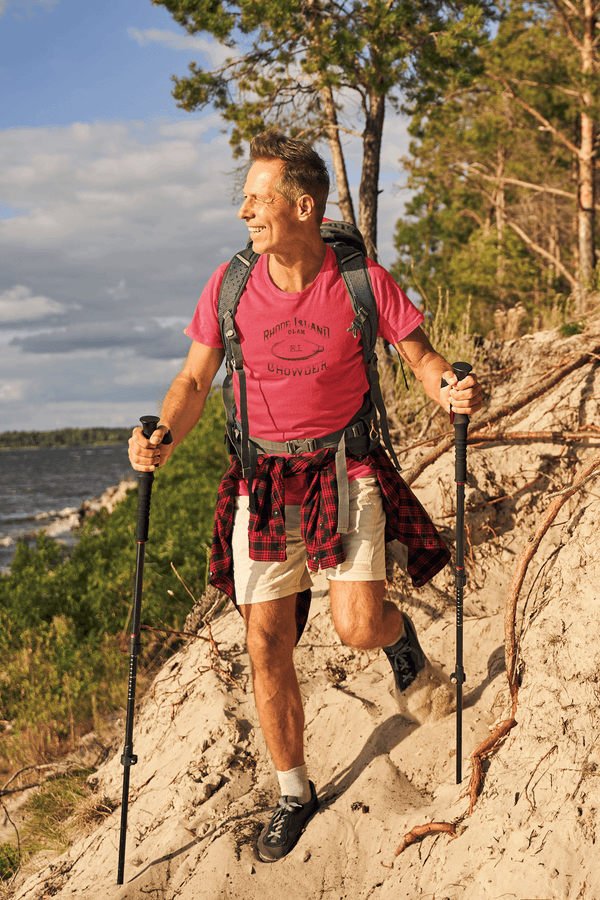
point(204, 783)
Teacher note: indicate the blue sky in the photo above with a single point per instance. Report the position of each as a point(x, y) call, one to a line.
point(115, 208)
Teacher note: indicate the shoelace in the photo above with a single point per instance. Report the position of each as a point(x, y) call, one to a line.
point(284, 806)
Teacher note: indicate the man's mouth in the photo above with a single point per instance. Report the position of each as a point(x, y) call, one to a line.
point(256, 230)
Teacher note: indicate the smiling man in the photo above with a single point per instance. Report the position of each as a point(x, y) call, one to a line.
point(304, 395)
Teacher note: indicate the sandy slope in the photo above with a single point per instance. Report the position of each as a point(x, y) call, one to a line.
point(204, 782)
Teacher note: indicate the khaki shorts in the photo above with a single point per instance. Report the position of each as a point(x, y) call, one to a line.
point(364, 546)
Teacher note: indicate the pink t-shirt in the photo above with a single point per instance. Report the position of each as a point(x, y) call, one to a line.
point(305, 374)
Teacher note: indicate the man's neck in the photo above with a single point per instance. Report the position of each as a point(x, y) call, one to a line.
point(295, 272)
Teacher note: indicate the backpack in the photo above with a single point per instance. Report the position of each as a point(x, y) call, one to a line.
point(368, 426)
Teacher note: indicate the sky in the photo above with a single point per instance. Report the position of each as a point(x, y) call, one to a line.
point(115, 208)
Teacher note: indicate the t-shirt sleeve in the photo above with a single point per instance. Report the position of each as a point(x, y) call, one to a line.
point(398, 315)
point(204, 327)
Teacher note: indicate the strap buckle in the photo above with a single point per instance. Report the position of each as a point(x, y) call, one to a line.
point(301, 446)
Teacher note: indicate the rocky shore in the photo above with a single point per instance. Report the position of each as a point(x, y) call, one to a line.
point(64, 522)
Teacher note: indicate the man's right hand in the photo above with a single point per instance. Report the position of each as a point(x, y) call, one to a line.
point(147, 454)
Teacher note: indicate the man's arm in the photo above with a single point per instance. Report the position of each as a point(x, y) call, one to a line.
point(181, 409)
point(429, 367)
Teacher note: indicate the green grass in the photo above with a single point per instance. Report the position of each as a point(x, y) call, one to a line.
point(64, 615)
point(63, 809)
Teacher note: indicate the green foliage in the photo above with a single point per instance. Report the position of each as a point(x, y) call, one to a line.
point(63, 617)
point(50, 811)
point(59, 811)
point(298, 65)
point(452, 336)
point(10, 860)
point(64, 437)
point(494, 168)
point(571, 328)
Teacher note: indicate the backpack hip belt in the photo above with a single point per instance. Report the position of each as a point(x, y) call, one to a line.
point(358, 438)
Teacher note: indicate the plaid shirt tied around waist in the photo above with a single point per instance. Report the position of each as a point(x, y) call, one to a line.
point(406, 519)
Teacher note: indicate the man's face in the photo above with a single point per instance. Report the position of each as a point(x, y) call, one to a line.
point(269, 217)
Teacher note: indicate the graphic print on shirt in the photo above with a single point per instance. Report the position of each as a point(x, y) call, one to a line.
point(296, 346)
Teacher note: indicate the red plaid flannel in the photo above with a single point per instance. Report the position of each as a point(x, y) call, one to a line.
point(406, 519)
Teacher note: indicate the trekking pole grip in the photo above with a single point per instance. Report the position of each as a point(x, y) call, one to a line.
point(460, 422)
point(145, 480)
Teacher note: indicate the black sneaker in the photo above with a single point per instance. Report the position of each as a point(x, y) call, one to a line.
point(406, 656)
point(287, 824)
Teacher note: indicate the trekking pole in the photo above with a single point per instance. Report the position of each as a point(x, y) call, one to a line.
point(128, 758)
point(460, 422)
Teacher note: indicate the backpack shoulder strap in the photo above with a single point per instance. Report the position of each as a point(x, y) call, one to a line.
point(354, 271)
point(234, 281)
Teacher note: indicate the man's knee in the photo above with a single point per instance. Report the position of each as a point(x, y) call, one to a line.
point(270, 633)
point(358, 613)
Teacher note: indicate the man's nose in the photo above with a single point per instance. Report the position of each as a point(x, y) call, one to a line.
point(244, 210)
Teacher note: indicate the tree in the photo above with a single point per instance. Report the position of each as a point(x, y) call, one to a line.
point(512, 157)
point(301, 65)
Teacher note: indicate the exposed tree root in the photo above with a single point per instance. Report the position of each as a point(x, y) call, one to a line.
point(421, 831)
point(510, 642)
point(523, 437)
point(539, 387)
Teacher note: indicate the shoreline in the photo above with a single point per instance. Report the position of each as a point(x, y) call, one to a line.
point(67, 521)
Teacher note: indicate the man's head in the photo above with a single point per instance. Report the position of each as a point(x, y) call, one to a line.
point(303, 172)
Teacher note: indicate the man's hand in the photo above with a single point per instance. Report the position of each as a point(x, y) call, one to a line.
point(463, 396)
point(147, 454)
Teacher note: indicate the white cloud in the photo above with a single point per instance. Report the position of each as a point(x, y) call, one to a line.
point(19, 305)
point(26, 5)
point(12, 389)
point(144, 165)
point(216, 53)
point(88, 190)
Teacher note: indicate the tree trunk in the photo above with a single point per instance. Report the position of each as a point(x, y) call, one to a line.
point(337, 155)
point(368, 195)
point(499, 197)
point(587, 254)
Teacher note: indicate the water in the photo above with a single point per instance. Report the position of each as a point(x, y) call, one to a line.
point(37, 481)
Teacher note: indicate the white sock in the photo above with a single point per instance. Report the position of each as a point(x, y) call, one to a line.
point(294, 783)
point(401, 635)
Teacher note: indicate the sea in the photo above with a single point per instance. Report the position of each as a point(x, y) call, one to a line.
point(49, 480)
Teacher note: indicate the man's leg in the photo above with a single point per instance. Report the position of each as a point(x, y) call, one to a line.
point(271, 636)
point(362, 618)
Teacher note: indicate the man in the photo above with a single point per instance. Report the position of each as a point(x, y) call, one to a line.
point(305, 378)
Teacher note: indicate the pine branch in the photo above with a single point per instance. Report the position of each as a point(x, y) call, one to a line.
point(537, 115)
point(541, 251)
point(568, 27)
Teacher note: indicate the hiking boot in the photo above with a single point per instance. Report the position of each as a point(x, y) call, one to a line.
point(287, 824)
point(406, 656)
point(423, 692)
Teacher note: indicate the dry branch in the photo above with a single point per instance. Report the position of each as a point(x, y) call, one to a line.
point(547, 381)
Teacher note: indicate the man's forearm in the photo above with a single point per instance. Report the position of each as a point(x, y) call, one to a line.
point(183, 406)
point(431, 374)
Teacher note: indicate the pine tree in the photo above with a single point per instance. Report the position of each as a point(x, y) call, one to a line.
point(322, 69)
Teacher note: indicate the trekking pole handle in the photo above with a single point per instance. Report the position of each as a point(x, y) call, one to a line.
point(460, 422)
point(145, 480)
point(461, 370)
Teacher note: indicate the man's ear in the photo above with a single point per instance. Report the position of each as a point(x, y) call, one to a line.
point(305, 207)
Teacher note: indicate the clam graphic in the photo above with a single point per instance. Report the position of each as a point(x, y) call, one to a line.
point(296, 349)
